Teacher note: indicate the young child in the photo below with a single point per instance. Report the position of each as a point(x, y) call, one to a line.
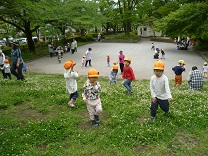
point(83, 61)
point(178, 72)
point(24, 67)
point(108, 60)
point(153, 46)
point(128, 75)
point(91, 96)
point(205, 70)
point(71, 84)
point(163, 54)
point(113, 74)
point(6, 68)
point(160, 91)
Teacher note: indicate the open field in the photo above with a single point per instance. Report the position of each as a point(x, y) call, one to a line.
point(36, 120)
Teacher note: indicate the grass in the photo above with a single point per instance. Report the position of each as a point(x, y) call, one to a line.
point(35, 120)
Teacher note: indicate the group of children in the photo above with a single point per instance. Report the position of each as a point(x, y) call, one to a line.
point(92, 89)
point(157, 52)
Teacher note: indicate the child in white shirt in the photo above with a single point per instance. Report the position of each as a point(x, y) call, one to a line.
point(160, 91)
point(71, 84)
point(205, 70)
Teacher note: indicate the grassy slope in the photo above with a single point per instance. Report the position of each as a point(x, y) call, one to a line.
point(35, 120)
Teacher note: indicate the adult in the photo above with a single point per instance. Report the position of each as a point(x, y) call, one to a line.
point(2, 58)
point(99, 37)
point(88, 57)
point(17, 62)
point(195, 79)
point(121, 57)
point(50, 49)
point(73, 44)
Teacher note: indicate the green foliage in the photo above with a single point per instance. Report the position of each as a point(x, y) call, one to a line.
point(35, 120)
point(121, 36)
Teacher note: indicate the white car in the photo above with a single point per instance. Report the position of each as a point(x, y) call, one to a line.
point(22, 40)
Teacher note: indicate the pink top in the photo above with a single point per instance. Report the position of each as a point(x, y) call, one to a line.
point(121, 58)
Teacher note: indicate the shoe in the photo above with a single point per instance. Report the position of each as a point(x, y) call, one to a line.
point(152, 119)
point(97, 118)
point(71, 104)
point(94, 123)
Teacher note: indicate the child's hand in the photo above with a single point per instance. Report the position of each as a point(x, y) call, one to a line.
point(154, 99)
point(170, 99)
point(85, 101)
point(95, 83)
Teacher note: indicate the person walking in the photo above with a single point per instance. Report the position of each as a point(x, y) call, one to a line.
point(2, 58)
point(6, 68)
point(50, 49)
point(160, 90)
point(91, 96)
point(17, 62)
point(121, 57)
point(88, 57)
point(73, 44)
point(205, 70)
point(71, 84)
point(128, 75)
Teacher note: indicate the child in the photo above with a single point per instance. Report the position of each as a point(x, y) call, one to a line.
point(128, 75)
point(205, 70)
point(163, 54)
point(83, 61)
point(6, 68)
point(24, 67)
point(91, 96)
point(160, 91)
point(153, 47)
point(108, 60)
point(178, 72)
point(113, 74)
point(71, 84)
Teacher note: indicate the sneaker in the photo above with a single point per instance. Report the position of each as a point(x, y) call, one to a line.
point(97, 118)
point(152, 119)
point(71, 104)
point(94, 123)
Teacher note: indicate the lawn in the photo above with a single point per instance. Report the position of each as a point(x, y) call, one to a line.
point(36, 120)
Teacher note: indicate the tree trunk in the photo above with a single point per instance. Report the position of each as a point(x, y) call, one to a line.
point(28, 33)
point(128, 27)
point(82, 32)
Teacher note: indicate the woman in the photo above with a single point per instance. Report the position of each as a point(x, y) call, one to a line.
point(121, 57)
point(17, 62)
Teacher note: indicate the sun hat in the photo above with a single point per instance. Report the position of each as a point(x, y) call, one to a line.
point(127, 59)
point(83, 56)
point(69, 64)
point(159, 65)
point(107, 54)
point(205, 63)
point(93, 73)
point(6, 61)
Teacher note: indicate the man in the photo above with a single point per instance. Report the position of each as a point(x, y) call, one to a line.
point(17, 62)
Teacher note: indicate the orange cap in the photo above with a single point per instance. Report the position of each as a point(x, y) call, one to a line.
point(6, 61)
point(69, 64)
point(115, 67)
point(159, 65)
point(93, 73)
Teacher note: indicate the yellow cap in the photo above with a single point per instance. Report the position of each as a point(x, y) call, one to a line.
point(69, 64)
point(127, 59)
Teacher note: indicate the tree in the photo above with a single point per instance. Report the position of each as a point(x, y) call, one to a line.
point(189, 19)
point(24, 15)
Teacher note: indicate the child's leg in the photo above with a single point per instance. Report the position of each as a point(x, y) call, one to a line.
point(164, 105)
point(153, 108)
point(9, 75)
point(98, 107)
point(73, 96)
point(127, 84)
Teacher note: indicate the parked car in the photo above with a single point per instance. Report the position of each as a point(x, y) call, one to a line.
point(22, 40)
